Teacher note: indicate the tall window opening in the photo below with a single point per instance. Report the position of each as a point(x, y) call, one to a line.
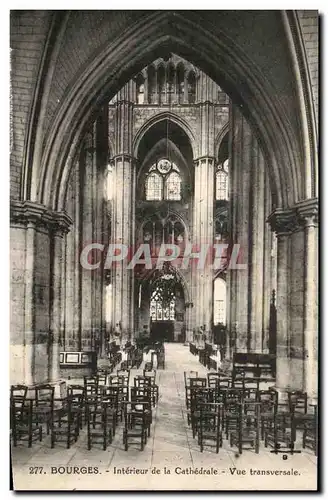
point(170, 82)
point(191, 87)
point(163, 181)
point(220, 302)
point(154, 187)
point(222, 181)
point(180, 82)
point(161, 84)
point(140, 84)
point(151, 84)
point(160, 309)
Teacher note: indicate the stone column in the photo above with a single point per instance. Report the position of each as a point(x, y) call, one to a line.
point(57, 303)
point(123, 233)
point(308, 212)
point(41, 307)
point(283, 223)
point(189, 333)
point(202, 236)
point(29, 306)
point(203, 208)
point(123, 225)
point(248, 203)
point(256, 250)
point(241, 160)
point(297, 297)
point(87, 180)
point(269, 265)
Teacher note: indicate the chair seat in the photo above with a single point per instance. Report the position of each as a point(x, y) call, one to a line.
point(209, 434)
point(246, 437)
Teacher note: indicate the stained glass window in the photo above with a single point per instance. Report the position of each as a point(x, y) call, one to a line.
point(154, 187)
point(160, 311)
point(173, 187)
point(163, 173)
point(222, 182)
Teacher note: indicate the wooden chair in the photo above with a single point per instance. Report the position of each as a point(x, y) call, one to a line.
point(187, 376)
point(233, 398)
point(279, 433)
point(247, 430)
point(151, 375)
point(64, 423)
point(23, 426)
point(310, 432)
point(78, 403)
point(135, 423)
point(210, 425)
point(44, 403)
point(111, 395)
point(98, 423)
point(198, 396)
point(91, 386)
point(143, 394)
point(19, 394)
point(161, 360)
point(298, 406)
point(122, 382)
point(268, 400)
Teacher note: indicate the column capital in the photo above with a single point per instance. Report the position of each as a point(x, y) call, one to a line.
point(204, 159)
point(283, 221)
point(122, 157)
point(308, 212)
point(29, 212)
point(303, 214)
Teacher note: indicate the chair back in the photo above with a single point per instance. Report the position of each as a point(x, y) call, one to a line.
point(252, 383)
point(135, 411)
point(18, 391)
point(189, 375)
point(212, 379)
point(140, 394)
point(223, 383)
point(268, 400)
point(238, 382)
point(73, 390)
point(211, 415)
point(44, 395)
point(150, 374)
point(198, 382)
point(18, 395)
point(297, 401)
point(141, 381)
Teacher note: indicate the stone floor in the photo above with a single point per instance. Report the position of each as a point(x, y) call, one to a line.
point(169, 458)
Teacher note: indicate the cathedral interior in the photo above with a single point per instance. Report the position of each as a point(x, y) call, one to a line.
point(137, 132)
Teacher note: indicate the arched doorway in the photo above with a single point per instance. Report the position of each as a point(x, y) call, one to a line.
point(162, 305)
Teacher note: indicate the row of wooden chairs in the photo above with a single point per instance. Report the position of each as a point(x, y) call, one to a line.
point(248, 412)
point(98, 404)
